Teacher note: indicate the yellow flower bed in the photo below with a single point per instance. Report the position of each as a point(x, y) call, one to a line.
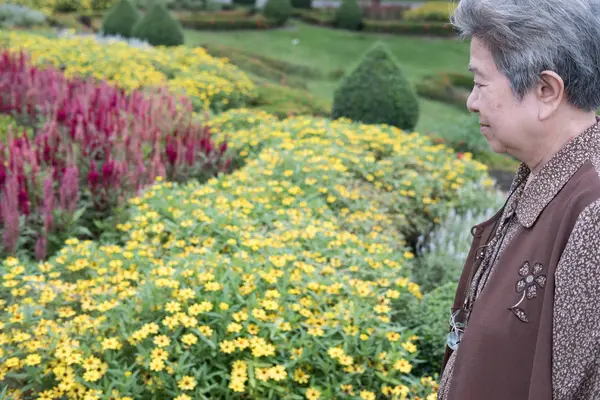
point(210, 82)
point(439, 11)
point(283, 280)
point(409, 173)
point(50, 6)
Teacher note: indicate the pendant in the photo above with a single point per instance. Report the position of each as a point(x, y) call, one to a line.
point(453, 340)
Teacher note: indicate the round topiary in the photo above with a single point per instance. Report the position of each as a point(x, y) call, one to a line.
point(376, 92)
point(278, 11)
point(159, 28)
point(121, 19)
point(348, 15)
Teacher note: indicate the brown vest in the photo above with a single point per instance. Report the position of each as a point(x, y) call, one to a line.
point(501, 357)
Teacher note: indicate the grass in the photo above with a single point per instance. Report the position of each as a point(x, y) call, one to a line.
point(335, 51)
point(331, 49)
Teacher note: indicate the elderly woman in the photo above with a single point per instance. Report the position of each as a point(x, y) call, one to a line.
point(525, 323)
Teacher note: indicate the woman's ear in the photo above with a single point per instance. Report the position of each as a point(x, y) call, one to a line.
point(549, 92)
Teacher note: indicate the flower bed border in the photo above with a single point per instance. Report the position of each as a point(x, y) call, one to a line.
point(439, 29)
point(225, 22)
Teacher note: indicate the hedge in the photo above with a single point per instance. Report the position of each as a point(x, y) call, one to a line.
point(370, 25)
point(451, 88)
point(209, 22)
point(314, 17)
point(409, 28)
point(306, 4)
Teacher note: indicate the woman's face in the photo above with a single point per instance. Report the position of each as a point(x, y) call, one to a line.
point(504, 120)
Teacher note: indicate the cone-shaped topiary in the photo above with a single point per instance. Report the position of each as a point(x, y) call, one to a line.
point(376, 91)
point(278, 11)
point(121, 19)
point(159, 28)
point(348, 15)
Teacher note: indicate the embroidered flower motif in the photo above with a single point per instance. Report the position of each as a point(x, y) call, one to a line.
point(532, 278)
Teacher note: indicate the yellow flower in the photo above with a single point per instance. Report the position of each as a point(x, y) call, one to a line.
point(111, 344)
point(33, 359)
point(227, 346)
point(366, 395)
point(92, 376)
point(12, 362)
point(410, 347)
point(300, 376)
point(187, 383)
point(414, 289)
point(253, 329)
point(403, 366)
point(393, 336)
point(234, 327)
point(157, 365)
point(183, 397)
point(162, 341)
point(159, 354)
point(172, 307)
point(346, 360)
point(277, 373)
point(189, 339)
point(262, 374)
point(316, 331)
point(312, 394)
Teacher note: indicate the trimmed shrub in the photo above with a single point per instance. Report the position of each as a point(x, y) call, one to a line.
point(376, 91)
point(327, 17)
point(306, 4)
point(410, 28)
point(121, 19)
point(244, 2)
point(214, 21)
point(159, 28)
point(278, 10)
point(348, 15)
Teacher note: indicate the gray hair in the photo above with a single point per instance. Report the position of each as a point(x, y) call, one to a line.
point(526, 37)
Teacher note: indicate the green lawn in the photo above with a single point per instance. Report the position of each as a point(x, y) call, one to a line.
point(331, 50)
